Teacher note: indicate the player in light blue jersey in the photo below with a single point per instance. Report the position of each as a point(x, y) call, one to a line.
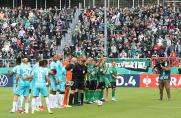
point(13, 74)
point(38, 99)
point(62, 83)
point(53, 82)
point(23, 84)
point(59, 69)
point(40, 76)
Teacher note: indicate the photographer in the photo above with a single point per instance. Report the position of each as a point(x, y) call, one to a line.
point(163, 69)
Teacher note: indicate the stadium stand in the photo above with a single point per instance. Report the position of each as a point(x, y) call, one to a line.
point(140, 32)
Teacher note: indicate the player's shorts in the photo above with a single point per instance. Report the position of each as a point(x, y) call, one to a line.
point(73, 87)
point(87, 84)
point(107, 82)
point(101, 85)
point(61, 87)
point(93, 85)
point(78, 85)
point(40, 89)
point(113, 85)
point(22, 90)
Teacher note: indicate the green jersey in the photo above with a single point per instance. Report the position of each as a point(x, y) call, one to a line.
point(164, 75)
point(174, 70)
point(101, 74)
point(93, 72)
point(113, 71)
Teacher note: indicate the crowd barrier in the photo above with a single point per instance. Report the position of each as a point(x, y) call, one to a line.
point(139, 63)
point(127, 80)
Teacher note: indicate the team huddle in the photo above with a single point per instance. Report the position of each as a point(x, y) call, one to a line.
point(63, 84)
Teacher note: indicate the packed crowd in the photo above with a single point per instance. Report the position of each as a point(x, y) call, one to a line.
point(143, 32)
point(32, 32)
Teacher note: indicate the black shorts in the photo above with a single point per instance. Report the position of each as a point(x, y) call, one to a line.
point(113, 85)
point(101, 85)
point(93, 85)
point(87, 84)
point(78, 85)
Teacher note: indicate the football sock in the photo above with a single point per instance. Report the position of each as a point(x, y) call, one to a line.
point(48, 104)
point(61, 99)
point(14, 106)
point(51, 101)
point(82, 98)
point(65, 98)
point(26, 107)
point(71, 98)
point(113, 92)
point(107, 93)
point(76, 98)
point(102, 93)
point(33, 103)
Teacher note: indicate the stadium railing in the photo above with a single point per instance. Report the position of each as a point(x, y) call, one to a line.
point(172, 61)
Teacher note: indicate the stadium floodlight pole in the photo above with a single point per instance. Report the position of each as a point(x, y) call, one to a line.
point(143, 3)
point(45, 4)
point(21, 4)
point(13, 4)
point(174, 6)
point(105, 27)
point(36, 4)
point(60, 4)
point(93, 3)
point(118, 3)
point(158, 2)
point(133, 3)
point(108, 4)
point(84, 4)
point(69, 3)
point(163, 3)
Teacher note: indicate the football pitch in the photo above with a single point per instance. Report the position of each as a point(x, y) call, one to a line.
point(132, 103)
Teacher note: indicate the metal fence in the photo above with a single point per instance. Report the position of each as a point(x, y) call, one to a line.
point(72, 3)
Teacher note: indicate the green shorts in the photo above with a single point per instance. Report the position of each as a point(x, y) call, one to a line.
point(107, 82)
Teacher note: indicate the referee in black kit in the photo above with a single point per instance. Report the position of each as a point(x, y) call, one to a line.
point(79, 72)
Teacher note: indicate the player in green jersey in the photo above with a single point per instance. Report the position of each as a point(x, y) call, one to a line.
point(113, 77)
point(87, 81)
point(102, 71)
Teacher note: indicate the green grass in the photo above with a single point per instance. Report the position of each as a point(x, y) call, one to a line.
point(132, 103)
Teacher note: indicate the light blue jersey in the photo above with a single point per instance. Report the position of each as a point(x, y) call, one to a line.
point(64, 73)
point(59, 70)
point(62, 81)
point(15, 69)
point(24, 71)
point(54, 65)
point(23, 85)
point(53, 86)
point(33, 81)
point(39, 76)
